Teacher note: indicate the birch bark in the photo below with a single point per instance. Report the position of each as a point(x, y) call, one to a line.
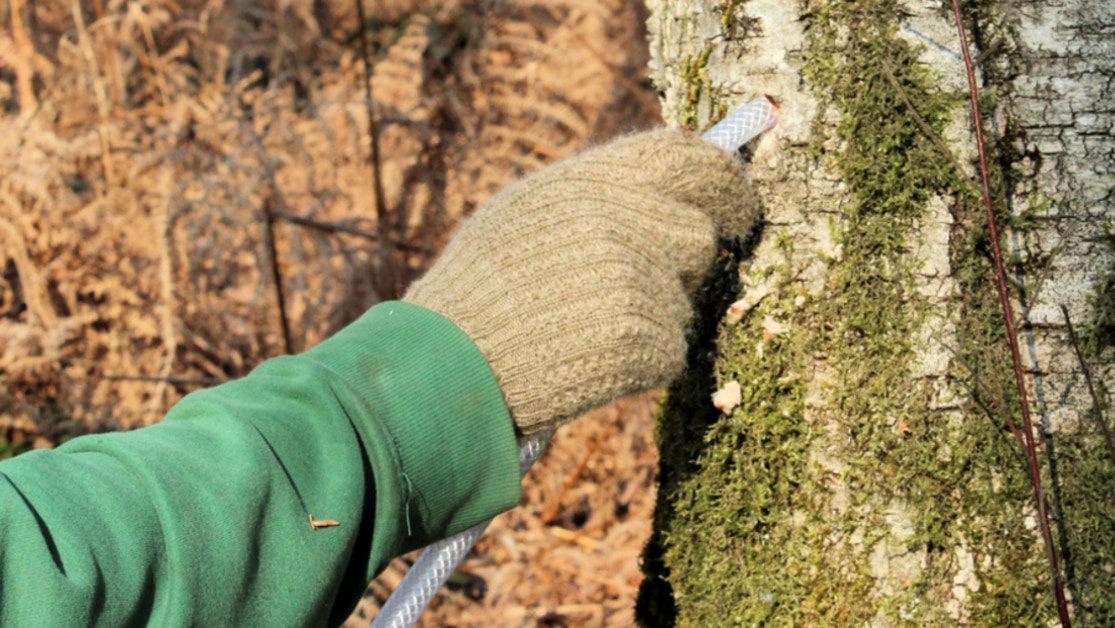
point(869, 474)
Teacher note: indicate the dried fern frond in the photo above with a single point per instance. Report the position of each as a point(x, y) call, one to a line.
point(142, 139)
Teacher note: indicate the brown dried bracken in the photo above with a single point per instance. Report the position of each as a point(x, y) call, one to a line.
point(322, 523)
point(161, 279)
point(161, 275)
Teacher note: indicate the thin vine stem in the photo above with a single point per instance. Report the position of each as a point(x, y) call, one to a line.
point(1012, 334)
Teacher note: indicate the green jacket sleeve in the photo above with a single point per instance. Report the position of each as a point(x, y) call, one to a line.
point(395, 428)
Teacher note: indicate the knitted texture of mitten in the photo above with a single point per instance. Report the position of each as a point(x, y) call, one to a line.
point(574, 282)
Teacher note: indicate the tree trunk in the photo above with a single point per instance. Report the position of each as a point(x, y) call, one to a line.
point(871, 472)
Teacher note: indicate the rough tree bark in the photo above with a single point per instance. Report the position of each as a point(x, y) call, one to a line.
point(870, 474)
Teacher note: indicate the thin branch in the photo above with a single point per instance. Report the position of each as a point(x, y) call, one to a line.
point(553, 505)
point(159, 379)
point(86, 48)
point(390, 282)
point(272, 205)
point(925, 127)
point(982, 397)
point(1097, 407)
point(276, 274)
point(1012, 336)
point(338, 227)
point(24, 68)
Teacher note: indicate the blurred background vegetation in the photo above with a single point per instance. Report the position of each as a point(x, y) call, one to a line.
point(188, 187)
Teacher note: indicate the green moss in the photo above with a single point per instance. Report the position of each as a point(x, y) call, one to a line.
point(1086, 490)
point(1100, 331)
point(700, 96)
point(695, 81)
point(735, 23)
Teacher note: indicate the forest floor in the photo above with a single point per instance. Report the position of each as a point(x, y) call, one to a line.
point(173, 170)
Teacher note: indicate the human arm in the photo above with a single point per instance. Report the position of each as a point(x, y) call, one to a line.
point(394, 427)
point(565, 291)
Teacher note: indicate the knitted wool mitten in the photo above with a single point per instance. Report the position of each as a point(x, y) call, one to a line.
point(574, 282)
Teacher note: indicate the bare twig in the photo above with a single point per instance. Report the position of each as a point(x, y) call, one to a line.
point(389, 284)
point(35, 294)
point(273, 205)
point(553, 505)
point(925, 127)
point(338, 227)
point(98, 89)
point(25, 72)
point(982, 397)
point(1097, 407)
point(159, 379)
point(167, 321)
point(1012, 336)
point(276, 273)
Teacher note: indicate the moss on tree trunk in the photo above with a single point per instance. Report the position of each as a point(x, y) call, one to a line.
point(868, 474)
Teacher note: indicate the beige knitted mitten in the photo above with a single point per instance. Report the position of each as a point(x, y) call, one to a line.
point(574, 282)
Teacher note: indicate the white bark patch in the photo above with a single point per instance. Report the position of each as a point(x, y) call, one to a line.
point(964, 581)
point(937, 337)
point(751, 298)
point(728, 397)
point(1061, 103)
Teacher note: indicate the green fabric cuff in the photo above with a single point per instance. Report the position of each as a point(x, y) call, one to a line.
point(433, 422)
